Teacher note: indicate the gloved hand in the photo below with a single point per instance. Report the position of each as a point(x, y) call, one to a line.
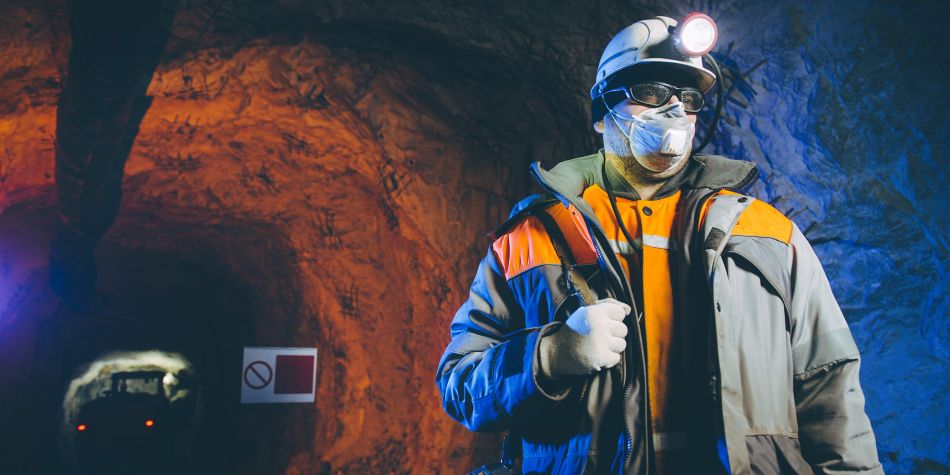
point(591, 339)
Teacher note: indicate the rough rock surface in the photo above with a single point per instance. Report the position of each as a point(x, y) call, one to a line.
point(337, 164)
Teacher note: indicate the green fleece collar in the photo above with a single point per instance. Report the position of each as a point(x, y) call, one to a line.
point(570, 178)
point(621, 187)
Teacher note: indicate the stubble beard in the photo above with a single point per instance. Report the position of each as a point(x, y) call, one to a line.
point(616, 144)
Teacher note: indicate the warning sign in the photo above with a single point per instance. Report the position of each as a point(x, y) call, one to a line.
point(278, 375)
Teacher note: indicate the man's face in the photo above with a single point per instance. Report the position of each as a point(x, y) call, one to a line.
point(616, 142)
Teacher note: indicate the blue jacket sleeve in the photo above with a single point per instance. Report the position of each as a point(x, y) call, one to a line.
point(488, 375)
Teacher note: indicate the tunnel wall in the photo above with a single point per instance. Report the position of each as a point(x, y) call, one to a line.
point(860, 164)
point(375, 143)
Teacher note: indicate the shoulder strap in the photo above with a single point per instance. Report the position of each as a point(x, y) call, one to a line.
point(526, 207)
point(563, 250)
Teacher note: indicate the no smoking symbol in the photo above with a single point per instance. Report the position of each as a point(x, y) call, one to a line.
point(258, 375)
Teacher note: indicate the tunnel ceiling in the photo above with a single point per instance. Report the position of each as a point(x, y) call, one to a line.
point(340, 163)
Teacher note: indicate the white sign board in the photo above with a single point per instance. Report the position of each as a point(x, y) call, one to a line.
point(278, 375)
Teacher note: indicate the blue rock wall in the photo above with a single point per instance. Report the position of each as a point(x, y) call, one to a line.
point(843, 105)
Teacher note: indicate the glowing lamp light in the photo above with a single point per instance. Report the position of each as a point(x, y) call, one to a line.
point(697, 34)
point(81, 427)
point(149, 423)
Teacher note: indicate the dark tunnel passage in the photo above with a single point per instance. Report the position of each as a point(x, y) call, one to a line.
point(180, 299)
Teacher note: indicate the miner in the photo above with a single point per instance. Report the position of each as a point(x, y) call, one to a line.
point(643, 316)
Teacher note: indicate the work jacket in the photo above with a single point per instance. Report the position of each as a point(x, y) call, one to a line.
point(781, 367)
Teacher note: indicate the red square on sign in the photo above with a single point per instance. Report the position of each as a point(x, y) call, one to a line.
point(294, 374)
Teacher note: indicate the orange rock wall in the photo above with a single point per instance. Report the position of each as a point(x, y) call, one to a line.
point(345, 178)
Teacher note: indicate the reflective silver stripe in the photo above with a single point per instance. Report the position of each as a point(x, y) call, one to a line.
point(659, 242)
point(669, 441)
point(652, 240)
point(622, 247)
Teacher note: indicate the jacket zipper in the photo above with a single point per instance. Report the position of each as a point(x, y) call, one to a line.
point(715, 386)
point(647, 420)
point(626, 387)
point(626, 390)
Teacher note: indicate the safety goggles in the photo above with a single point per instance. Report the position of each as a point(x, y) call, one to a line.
point(655, 94)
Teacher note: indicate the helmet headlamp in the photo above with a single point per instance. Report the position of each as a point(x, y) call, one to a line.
point(696, 34)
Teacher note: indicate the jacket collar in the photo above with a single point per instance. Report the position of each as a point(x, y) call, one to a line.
point(568, 179)
point(622, 188)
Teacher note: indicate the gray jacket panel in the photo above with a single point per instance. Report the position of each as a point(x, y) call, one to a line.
point(788, 363)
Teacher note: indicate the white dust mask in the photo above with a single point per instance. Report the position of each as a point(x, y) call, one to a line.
point(660, 137)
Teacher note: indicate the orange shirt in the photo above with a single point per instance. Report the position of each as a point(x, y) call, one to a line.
point(649, 222)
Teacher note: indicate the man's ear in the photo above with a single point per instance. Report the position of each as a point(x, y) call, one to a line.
point(599, 127)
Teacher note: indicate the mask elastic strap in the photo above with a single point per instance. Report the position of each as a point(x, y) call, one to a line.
point(615, 114)
point(622, 131)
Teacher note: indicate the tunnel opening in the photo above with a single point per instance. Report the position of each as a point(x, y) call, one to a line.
point(131, 412)
point(202, 292)
point(156, 301)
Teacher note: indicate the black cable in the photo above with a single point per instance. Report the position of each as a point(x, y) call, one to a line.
point(613, 204)
point(623, 228)
point(711, 128)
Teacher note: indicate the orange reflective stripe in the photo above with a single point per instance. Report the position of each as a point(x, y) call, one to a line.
point(575, 231)
point(525, 246)
point(759, 219)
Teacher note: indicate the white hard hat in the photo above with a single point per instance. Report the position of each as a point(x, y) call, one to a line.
point(651, 45)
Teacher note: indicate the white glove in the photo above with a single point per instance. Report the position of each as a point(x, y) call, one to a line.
point(591, 339)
